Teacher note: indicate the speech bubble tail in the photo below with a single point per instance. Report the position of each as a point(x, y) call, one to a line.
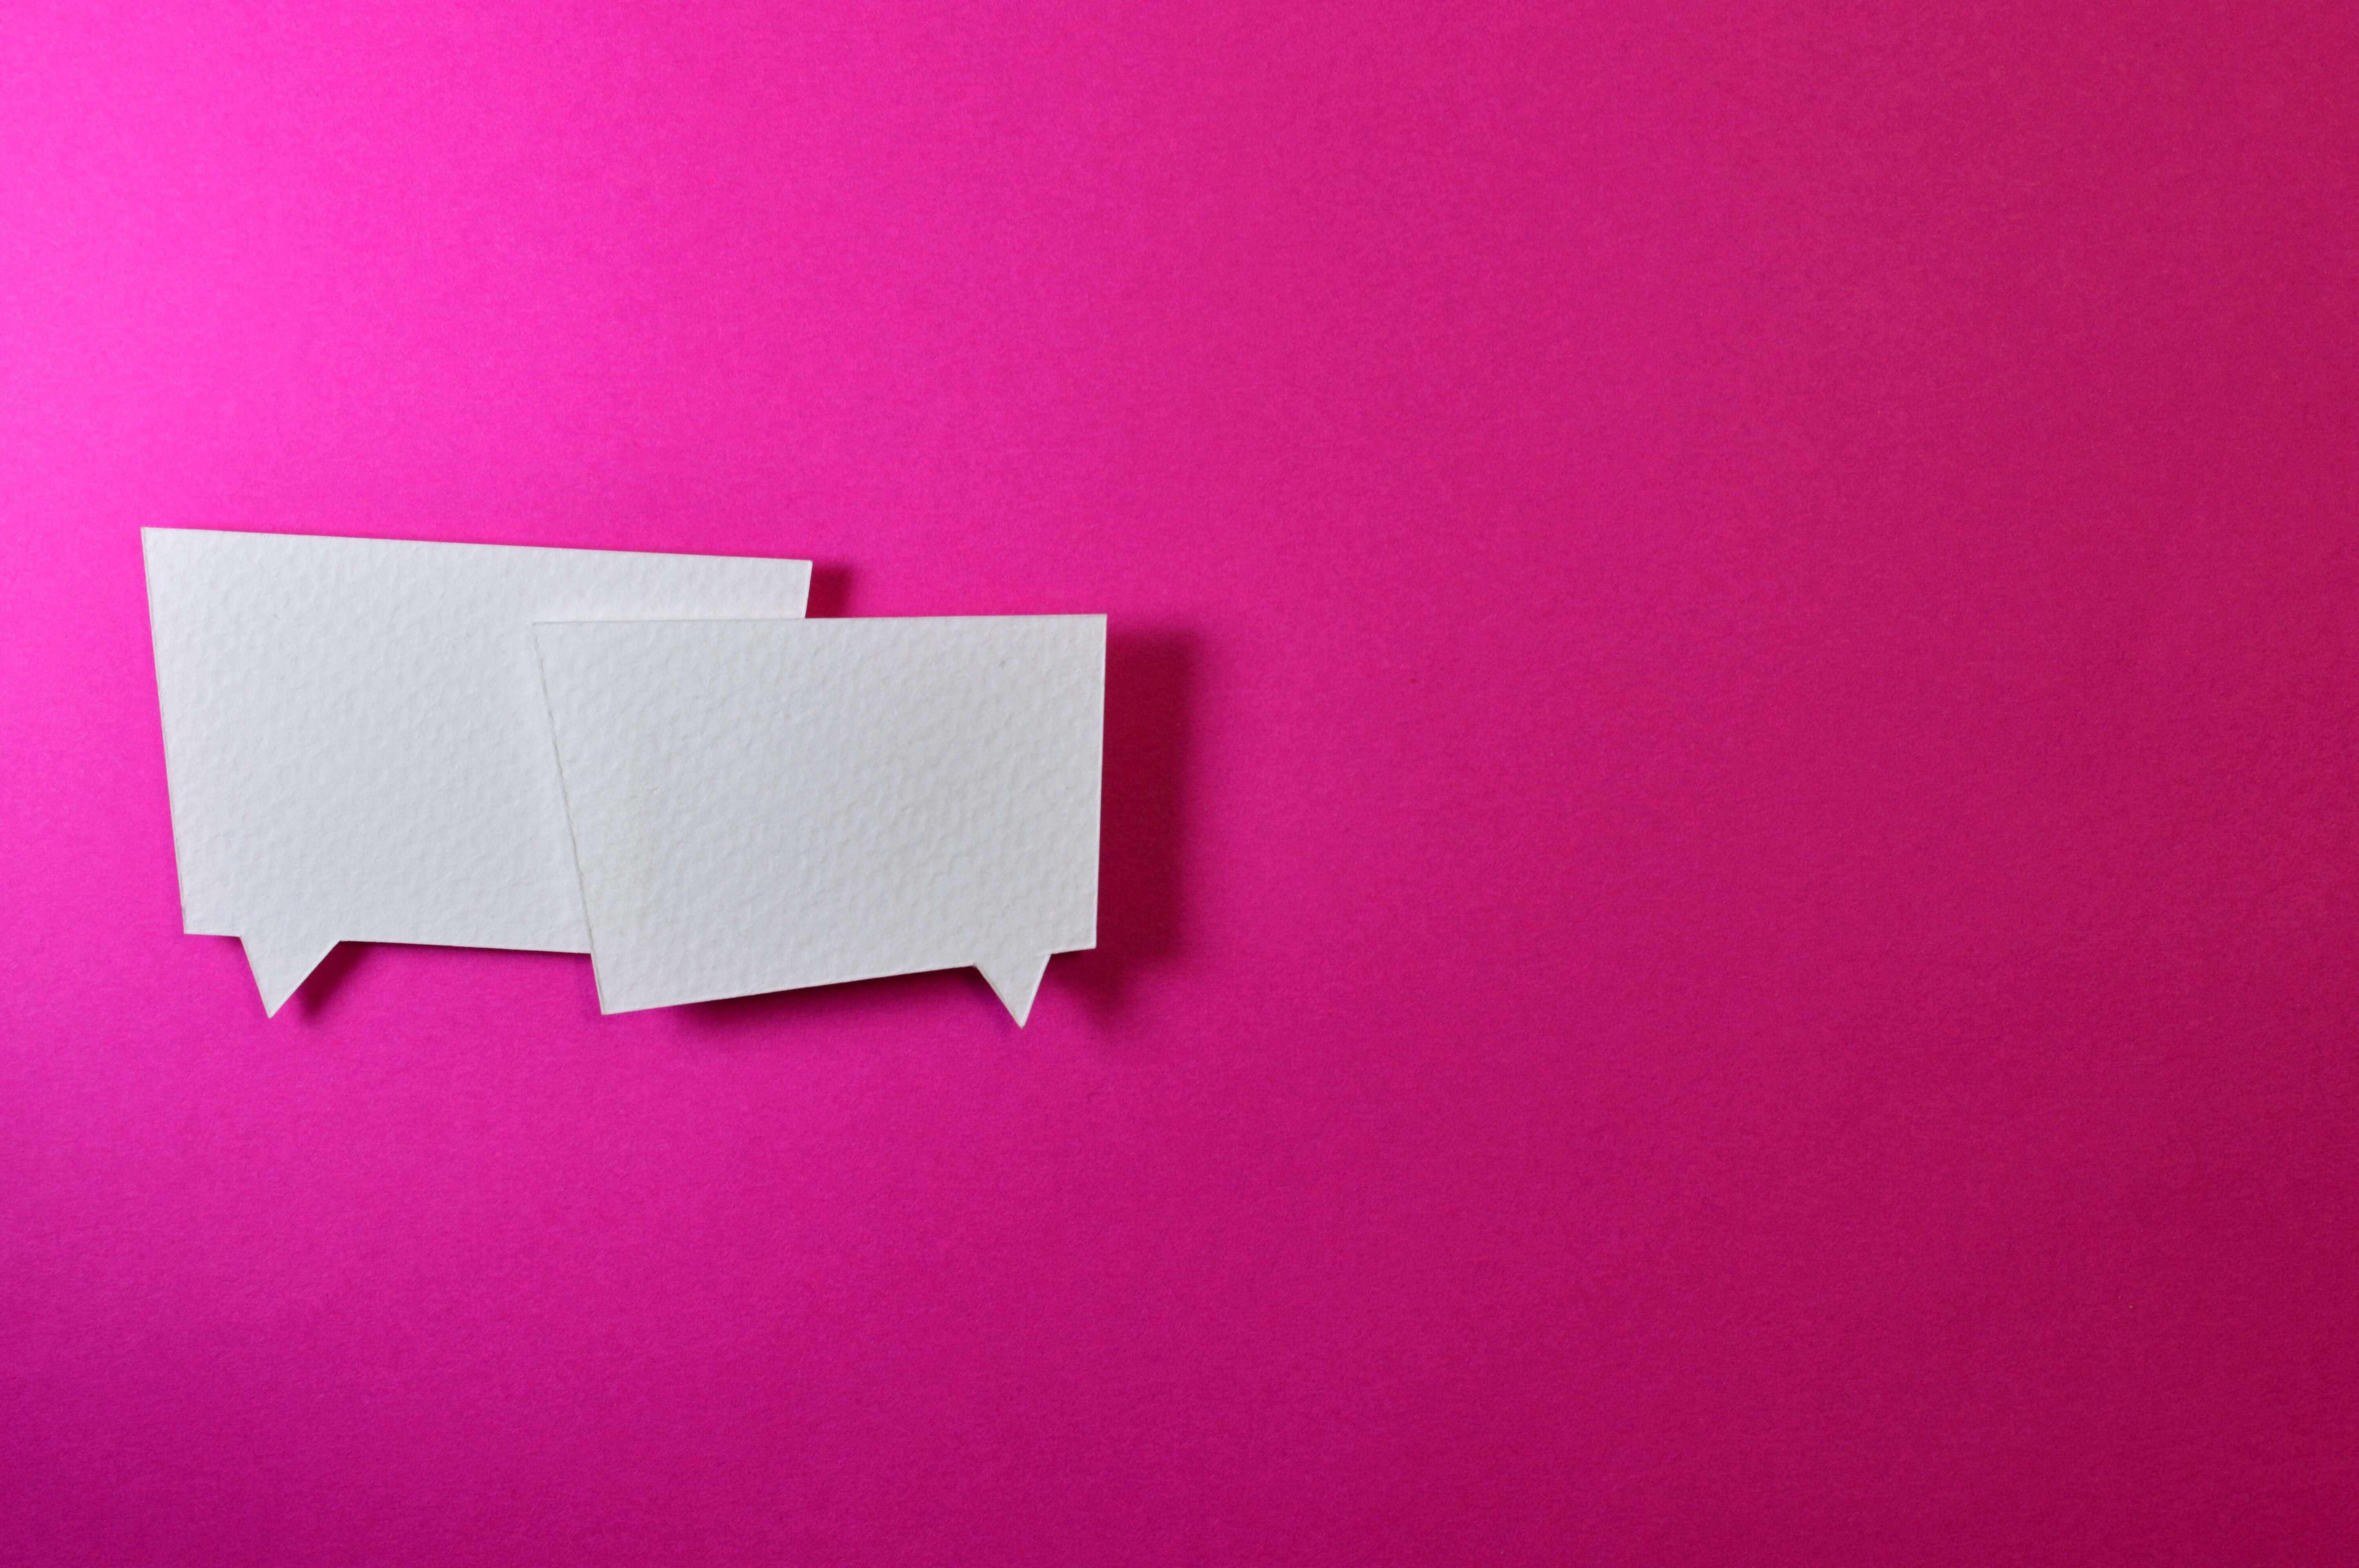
point(1017, 981)
point(281, 966)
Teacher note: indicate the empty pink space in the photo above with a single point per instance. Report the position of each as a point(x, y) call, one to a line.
point(1730, 857)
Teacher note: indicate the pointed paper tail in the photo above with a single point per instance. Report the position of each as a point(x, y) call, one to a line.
point(1017, 981)
point(281, 966)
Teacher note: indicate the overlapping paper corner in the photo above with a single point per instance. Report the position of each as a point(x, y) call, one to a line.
point(653, 759)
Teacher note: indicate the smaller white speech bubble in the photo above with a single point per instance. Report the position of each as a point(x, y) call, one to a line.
point(760, 805)
point(355, 737)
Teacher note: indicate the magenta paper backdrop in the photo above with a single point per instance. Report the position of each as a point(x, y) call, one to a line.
point(1730, 845)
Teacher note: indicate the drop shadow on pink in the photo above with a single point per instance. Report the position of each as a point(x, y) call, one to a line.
point(319, 989)
point(830, 590)
point(1152, 676)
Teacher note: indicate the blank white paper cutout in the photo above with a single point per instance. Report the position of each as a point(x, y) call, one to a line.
point(764, 804)
point(356, 739)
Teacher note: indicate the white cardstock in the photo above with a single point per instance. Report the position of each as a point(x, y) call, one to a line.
point(355, 737)
point(763, 805)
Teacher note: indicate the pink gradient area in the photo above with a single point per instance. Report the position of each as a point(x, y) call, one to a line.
point(1730, 849)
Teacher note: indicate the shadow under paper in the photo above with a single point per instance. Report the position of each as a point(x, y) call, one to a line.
point(1150, 697)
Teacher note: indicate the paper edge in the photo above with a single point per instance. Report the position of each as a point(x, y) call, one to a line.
point(281, 966)
point(1015, 981)
point(565, 796)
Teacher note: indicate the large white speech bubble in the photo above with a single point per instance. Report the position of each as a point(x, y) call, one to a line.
point(355, 737)
point(761, 806)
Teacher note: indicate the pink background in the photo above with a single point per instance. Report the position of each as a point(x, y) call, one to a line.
point(1729, 857)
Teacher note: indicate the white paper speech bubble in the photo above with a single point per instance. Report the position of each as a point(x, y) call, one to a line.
point(760, 805)
point(355, 737)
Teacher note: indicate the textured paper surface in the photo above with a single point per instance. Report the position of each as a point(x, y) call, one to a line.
point(758, 805)
point(354, 734)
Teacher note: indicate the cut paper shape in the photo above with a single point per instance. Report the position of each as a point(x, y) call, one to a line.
point(279, 971)
point(761, 806)
point(1015, 981)
point(356, 739)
